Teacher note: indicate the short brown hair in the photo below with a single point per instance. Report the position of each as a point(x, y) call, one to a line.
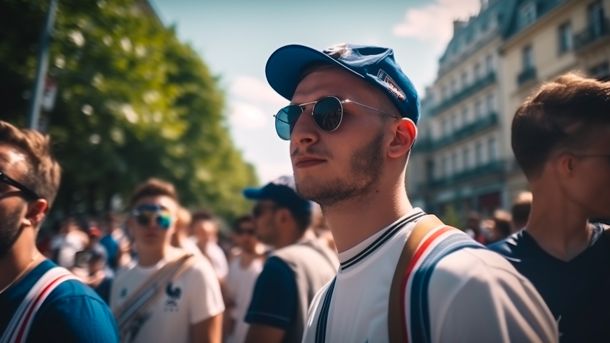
point(44, 173)
point(560, 114)
point(151, 188)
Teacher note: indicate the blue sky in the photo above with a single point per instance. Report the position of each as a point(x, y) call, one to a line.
point(235, 38)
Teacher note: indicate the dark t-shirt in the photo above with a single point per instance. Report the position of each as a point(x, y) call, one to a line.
point(71, 313)
point(577, 292)
point(274, 300)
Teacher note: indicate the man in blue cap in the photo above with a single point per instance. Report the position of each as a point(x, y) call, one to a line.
point(294, 272)
point(351, 123)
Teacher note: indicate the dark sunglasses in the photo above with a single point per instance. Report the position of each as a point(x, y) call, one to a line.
point(259, 209)
point(28, 193)
point(327, 112)
point(246, 232)
point(145, 215)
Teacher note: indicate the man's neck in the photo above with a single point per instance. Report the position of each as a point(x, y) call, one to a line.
point(148, 257)
point(19, 260)
point(560, 230)
point(354, 220)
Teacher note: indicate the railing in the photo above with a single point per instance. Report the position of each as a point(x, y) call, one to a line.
point(464, 93)
point(466, 131)
point(491, 168)
point(591, 34)
point(526, 75)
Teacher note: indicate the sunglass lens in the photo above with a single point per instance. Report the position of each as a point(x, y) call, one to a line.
point(164, 221)
point(285, 120)
point(143, 219)
point(328, 113)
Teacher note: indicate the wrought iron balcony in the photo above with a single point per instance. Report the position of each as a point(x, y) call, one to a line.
point(526, 75)
point(592, 33)
point(466, 131)
point(493, 168)
point(479, 84)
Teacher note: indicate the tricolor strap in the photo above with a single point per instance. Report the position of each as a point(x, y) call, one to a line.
point(428, 243)
point(19, 326)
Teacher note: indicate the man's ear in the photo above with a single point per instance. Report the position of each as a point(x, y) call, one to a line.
point(404, 132)
point(36, 212)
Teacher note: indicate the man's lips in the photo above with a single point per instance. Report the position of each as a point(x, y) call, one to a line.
point(306, 161)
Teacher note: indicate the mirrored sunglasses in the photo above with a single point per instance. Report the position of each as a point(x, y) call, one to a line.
point(327, 113)
point(146, 216)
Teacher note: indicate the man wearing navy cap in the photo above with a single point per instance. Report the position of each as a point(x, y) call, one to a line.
point(351, 123)
point(294, 272)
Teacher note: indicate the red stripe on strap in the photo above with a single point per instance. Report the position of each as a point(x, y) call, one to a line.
point(416, 256)
point(41, 295)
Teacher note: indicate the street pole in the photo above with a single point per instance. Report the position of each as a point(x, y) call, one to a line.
point(43, 65)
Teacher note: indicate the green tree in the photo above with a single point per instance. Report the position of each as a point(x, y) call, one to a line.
point(133, 102)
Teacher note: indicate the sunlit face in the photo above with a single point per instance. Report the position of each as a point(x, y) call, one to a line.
point(13, 206)
point(590, 185)
point(264, 214)
point(332, 166)
point(151, 234)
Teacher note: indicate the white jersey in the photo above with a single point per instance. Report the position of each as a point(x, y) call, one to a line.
point(194, 296)
point(240, 285)
point(474, 295)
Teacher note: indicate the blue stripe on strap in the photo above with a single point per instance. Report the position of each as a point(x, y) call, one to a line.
point(420, 316)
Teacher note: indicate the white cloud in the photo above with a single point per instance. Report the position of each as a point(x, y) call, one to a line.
point(247, 116)
point(435, 21)
point(253, 90)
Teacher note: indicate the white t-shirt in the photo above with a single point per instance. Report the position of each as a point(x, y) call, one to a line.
point(192, 298)
point(475, 295)
point(240, 285)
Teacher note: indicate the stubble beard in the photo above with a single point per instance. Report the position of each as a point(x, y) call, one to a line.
point(366, 166)
point(10, 230)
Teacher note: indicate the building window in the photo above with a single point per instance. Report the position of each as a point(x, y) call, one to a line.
point(595, 14)
point(478, 154)
point(489, 64)
point(491, 106)
point(527, 57)
point(492, 149)
point(527, 14)
point(447, 163)
point(466, 158)
point(447, 128)
point(464, 79)
point(477, 71)
point(564, 37)
point(454, 162)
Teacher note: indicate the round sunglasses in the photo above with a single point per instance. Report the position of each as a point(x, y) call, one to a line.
point(327, 112)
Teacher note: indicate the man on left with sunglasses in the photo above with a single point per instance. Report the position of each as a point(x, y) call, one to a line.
point(39, 301)
point(170, 295)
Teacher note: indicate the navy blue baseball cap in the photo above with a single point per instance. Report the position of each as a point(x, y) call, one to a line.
point(282, 191)
point(375, 65)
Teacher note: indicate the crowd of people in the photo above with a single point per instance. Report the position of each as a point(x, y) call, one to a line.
point(335, 252)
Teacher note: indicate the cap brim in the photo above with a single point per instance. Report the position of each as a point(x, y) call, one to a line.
point(253, 193)
point(286, 65)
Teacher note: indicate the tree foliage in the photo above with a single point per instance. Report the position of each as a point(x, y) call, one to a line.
point(133, 102)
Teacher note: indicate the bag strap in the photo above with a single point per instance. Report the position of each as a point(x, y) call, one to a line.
point(149, 290)
point(19, 327)
point(429, 242)
point(396, 316)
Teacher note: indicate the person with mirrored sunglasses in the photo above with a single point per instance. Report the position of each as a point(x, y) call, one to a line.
point(560, 137)
point(39, 301)
point(351, 124)
point(170, 295)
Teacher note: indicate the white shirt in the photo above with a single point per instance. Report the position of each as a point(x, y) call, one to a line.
point(195, 296)
point(475, 295)
point(240, 284)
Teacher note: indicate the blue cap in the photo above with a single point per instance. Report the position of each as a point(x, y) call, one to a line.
point(281, 191)
point(376, 65)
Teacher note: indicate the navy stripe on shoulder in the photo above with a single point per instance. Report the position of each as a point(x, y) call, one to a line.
point(389, 233)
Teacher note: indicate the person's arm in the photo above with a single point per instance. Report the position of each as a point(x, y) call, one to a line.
point(264, 333)
point(274, 303)
point(488, 301)
point(208, 330)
